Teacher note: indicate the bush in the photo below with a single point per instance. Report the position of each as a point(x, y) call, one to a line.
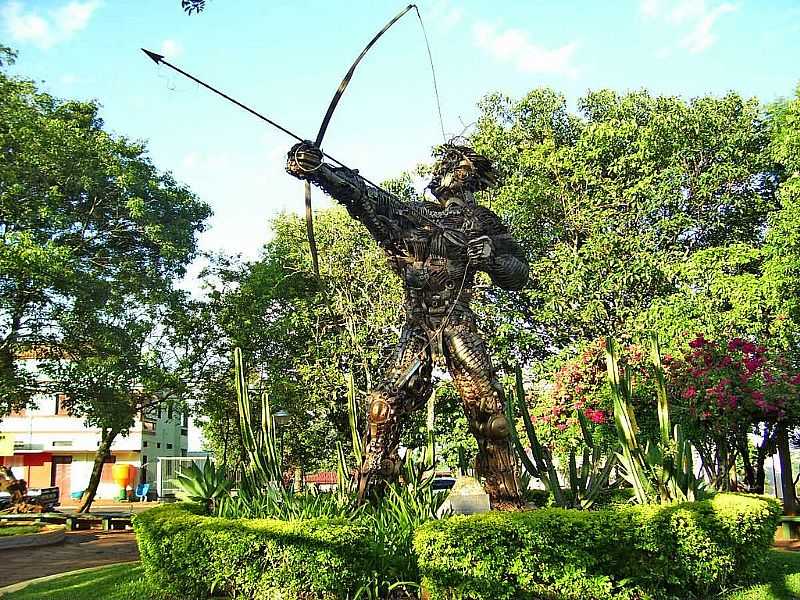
point(680, 550)
point(190, 555)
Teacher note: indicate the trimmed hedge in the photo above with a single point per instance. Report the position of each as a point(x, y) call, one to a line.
point(189, 555)
point(681, 550)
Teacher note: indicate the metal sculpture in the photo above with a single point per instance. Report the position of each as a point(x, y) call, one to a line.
point(436, 249)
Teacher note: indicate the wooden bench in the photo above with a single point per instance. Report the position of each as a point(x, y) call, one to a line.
point(788, 526)
point(114, 522)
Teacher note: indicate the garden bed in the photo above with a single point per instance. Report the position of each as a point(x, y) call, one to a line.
point(188, 555)
point(687, 550)
point(30, 535)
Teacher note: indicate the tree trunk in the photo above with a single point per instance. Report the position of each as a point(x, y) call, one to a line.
point(764, 449)
point(298, 480)
point(787, 481)
point(747, 464)
point(103, 451)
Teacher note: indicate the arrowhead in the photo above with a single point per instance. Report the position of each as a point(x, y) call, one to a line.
point(156, 58)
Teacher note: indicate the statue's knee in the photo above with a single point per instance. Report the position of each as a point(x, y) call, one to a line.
point(496, 427)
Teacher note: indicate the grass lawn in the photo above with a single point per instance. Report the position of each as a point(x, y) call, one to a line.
point(121, 582)
point(781, 579)
point(8, 530)
point(127, 582)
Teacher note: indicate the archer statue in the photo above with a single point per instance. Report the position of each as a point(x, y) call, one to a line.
point(436, 249)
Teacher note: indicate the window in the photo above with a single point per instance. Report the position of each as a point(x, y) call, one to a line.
point(62, 443)
point(185, 419)
point(158, 445)
point(169, 446)
point(60, 408)
point(183, 451)
point(158, 411)
point(184, 431)
point(144, 444)
point(169, 411)
point(148, 427)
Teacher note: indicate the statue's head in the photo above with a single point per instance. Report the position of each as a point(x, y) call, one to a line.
point(459, 172)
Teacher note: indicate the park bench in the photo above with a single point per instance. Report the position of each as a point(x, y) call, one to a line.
point(789, 526)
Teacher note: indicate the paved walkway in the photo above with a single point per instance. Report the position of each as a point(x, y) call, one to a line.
point(80, 549)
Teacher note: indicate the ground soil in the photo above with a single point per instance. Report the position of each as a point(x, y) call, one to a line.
point(79, 550)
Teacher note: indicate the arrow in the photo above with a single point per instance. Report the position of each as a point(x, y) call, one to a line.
point(159, 60)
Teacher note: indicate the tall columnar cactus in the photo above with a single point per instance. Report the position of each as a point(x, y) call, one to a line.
point(259, 440)
point(584, 482)
point(662, 471)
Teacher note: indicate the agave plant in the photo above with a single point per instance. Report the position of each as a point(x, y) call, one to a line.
point(658, 472)
point(205, 484)
point(585, 481)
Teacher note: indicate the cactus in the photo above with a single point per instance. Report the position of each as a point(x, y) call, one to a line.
point(264, 461)
point(659, 472)
point(584, 483)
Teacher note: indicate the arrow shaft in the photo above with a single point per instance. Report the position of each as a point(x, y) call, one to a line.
point(251, 111)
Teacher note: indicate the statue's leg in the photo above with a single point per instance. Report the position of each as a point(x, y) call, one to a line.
point(404, 388)
point(484, 404)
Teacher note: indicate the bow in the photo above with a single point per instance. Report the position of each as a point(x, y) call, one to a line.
point(312, 243)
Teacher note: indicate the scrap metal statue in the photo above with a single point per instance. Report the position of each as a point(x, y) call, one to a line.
point(436, 249)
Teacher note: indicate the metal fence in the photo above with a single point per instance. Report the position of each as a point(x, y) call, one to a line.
point(168, 467)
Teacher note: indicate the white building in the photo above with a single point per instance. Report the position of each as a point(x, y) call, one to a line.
point(48, 447)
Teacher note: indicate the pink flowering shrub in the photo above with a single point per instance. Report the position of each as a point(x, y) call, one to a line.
point(722, 385)
point(581, 384)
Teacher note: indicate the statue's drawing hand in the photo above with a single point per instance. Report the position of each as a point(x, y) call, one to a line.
point(480, 251)
point(303, 159)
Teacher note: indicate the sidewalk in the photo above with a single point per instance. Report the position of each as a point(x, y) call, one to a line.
point(79, 550)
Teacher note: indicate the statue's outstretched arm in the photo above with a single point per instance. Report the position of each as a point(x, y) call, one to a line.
point(378, 210)
point(499, 254)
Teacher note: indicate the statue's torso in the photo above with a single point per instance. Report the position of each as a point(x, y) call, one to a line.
point(430, 256)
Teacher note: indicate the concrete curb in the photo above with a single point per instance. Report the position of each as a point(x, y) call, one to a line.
point(48, 535)
point(15, 587)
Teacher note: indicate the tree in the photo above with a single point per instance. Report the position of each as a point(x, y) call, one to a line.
point(609, 201)
point(92, 238)
point(84, 215)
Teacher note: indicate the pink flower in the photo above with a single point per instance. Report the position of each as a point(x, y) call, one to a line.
point(726, 361)
point(752, 364)
point(757, 396)
point(561, 426)
point(689, 392)
point(749, 348)
point(698, 342)
point(795, 380)
point(595, 416)
point(735, 344)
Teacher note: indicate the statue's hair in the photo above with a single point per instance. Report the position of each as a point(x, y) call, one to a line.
point(468, 171)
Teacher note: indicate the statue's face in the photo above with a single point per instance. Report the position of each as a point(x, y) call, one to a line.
point(451, 180)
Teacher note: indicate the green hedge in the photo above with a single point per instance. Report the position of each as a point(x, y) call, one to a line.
point(681, 550)
point(189, 555)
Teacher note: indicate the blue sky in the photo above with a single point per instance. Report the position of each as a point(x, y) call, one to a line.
point(285, 58)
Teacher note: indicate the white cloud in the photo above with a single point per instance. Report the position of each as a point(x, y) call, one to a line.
point(444, 14)
point(694, 14)
point(56, 26)
point(701, 37)
point(650, 8)
point(514, 46)
point(171, 49)
point(68, 78)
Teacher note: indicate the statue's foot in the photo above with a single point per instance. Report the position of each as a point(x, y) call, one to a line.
point(507, 504)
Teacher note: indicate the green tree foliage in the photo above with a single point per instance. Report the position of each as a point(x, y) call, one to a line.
point(86, 220)
point(609, 201)
point(92, 239)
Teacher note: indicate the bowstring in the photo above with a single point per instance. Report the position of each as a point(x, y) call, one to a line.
point(433, 73)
